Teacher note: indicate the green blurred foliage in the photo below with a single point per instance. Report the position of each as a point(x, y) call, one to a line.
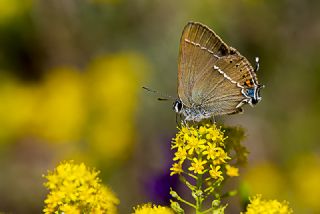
point(70, 88)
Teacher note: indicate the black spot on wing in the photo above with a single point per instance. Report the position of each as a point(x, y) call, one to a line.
point(223, 51)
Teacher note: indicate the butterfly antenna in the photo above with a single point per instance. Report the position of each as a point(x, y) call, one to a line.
point(257, 64)
point(163, 96)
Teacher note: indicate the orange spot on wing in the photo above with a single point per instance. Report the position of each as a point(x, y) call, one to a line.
point(249, 83)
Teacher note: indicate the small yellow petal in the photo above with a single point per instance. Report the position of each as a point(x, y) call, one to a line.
point(232, 171)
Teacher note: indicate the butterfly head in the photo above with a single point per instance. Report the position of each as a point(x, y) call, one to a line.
point(177, 106)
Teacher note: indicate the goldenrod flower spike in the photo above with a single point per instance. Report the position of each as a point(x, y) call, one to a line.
point(259, 206)
point(75, 188)
point(152, 209)
point(200, 153)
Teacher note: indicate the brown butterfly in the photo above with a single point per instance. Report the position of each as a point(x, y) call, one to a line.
point(213, 78)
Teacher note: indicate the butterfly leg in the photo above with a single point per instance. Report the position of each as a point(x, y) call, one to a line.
point(212, 120)
point(185, 123)
point(179, 121)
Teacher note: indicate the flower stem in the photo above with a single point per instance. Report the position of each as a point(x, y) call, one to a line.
point(208, 210)
point(186, 202)
point(199, 196)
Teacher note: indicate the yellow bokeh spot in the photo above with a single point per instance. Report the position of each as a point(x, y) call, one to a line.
point(17, 108)
point(95, 107)
point(306, 182)
point(10, 9)
point(113, 84)
point(265, 179)
point(61, 107)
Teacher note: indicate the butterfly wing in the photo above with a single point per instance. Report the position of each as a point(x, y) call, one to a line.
point(211, 74)
point(199, 51)
point(241, 77)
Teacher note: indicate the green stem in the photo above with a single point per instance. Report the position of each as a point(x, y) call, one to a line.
point(208, 210)
point(199, 197)
point(199, 181)
point(186, 202)
point(190, 186)
point(199, 193)
point(191, 175)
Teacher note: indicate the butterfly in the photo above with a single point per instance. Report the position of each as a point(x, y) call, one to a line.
point(213, 78)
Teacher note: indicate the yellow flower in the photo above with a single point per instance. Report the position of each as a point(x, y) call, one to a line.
point(194, 143)
point(181, 154)
point(220, 156)
point(232, 171)
point(259, 206)
point(176, 168)
point(210, 151)
point(74, 188)
point(177, 142)
point(152, 209)
point(214, 172)
point(216, 134)
point(203, 151)
point(67, 208)
point(197, 166)
point(202, 130)
point(197, 143)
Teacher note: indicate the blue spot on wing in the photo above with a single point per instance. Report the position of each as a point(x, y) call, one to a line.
point(250, 92)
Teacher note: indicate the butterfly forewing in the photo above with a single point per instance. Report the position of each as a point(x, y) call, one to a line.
point(200, 48)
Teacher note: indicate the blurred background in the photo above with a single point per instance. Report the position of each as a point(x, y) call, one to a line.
point(71, 73)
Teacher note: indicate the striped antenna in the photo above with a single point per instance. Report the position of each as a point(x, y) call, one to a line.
point(163, 97)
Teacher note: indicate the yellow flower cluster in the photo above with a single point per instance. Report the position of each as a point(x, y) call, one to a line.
point(74, 188)
point(260, 206)
point(202, 149)
point(152, 209)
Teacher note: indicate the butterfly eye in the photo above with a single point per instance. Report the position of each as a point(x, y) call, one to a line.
point(177, 106)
